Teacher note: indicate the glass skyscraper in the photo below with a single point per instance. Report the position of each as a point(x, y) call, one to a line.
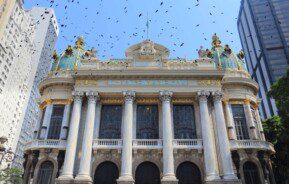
point(264, 31)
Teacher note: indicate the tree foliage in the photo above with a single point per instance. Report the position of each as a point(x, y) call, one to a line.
point(11, 176)
point(276, 129)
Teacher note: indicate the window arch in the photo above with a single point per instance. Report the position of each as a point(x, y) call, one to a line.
point(45, 173)
point(251, 173)
point(106, 173)
point(147, 172)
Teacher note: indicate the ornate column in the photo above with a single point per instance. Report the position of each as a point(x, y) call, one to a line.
point(65, 122)
point(126, 156)
point(210, 157)
point(230, 121)
point(84, 168)
point(225, 152)
point(67, 173)
point(168, 152)
point(46, 121)
point(250, 119)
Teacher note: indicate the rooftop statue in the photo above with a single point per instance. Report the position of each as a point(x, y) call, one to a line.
point(147, 48)
point(202, 52)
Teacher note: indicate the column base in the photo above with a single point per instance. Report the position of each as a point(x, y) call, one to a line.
point(171, 179)
point(64, 179)
point(125, 180)
point(83, 179)
point(213, 177)
point(230, 177)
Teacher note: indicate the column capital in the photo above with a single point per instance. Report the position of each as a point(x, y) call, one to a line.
point(92, 96)
point(203, 96)
point(166, 95)
point(217, 96)
point(77, 96)
point(129, 95)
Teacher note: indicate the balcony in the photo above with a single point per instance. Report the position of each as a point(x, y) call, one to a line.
point(147, 144)
point(49, 144)
point(107, 144)
point(251, 144)
point(188, 144)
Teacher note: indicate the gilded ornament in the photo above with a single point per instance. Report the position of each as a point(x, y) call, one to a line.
point(209, 82)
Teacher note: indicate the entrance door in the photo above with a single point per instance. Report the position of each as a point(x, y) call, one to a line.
point(147, 173)
point(106, 173)
point(189, 173)
point(251, 173)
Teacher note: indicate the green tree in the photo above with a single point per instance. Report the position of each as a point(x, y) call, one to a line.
point(11, 176)
point(276, 129)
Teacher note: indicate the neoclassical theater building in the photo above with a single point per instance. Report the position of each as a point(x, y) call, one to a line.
point(149, 119)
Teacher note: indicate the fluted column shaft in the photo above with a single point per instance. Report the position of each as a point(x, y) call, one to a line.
point(210, 157)
point(67, 172)
point(65, 122)
point(225, 153)
point(250, 119)
point(85, 161)
point(126, 156)
point(230, 121)
point(168, 154)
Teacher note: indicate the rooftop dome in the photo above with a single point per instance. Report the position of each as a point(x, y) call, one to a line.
point(225, 58)
point(70, 58)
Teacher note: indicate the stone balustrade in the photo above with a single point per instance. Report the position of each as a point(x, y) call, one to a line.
point(188, 144)
point(251, 144)
point(107, 144)
point(38, 144)
point(147, 144)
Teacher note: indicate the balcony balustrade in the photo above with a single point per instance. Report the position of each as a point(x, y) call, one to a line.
point(147, 144)
point(188, 144)
point(251, 144)
point(107, 144)
point(50, 144)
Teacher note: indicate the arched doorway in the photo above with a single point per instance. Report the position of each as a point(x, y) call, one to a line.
point(147, 173)
point(45, 173)
point(106, 173)
point(251, 173)
point(189, 173)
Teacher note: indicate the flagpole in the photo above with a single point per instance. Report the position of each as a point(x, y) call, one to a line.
point(147, 24)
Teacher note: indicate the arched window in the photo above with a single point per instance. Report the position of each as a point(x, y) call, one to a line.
point(106, 173)
point(110, 122)
point(240, 122)
point(251, 173)
point(56, 122)
point(184, 122)
point(189, 173)
point(147, 173)
point(45, 173)
point(147, 122)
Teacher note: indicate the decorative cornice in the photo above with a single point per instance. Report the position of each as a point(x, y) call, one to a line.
point(183, 100)
point(129, 95)
point(147, 100)
point(166, 96)
point(111, 100)
point(55, 101)
point(247, 101)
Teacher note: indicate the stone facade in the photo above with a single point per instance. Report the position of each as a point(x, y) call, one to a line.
point(225, 147)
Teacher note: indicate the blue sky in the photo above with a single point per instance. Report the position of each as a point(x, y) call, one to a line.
point(113, 25)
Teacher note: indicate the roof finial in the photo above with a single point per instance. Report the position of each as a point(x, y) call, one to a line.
point(147, 25)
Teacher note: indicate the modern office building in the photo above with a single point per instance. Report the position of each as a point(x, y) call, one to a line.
point(149, 119)
point(6, 7)
point(264, 31)
point(16, 65)
point(46, 33)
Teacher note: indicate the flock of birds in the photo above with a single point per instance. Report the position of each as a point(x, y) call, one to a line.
point(105, 42)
